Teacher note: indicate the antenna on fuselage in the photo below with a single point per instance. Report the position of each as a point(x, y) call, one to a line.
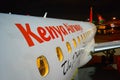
point(45, 14)
point(9, 13)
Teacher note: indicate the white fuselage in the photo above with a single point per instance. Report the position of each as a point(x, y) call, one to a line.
point(24, 38)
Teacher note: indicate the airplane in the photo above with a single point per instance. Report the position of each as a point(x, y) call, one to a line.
point(38, 48)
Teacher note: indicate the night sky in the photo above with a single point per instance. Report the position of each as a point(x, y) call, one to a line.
point(66, 9)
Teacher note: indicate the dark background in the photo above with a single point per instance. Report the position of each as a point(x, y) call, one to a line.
point(66, 9)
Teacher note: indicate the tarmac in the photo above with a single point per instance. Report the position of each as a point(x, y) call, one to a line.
point(98, 72)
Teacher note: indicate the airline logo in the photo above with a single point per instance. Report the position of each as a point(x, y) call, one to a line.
point(47, 33)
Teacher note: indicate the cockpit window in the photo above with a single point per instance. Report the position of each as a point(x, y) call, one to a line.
point(42, 65)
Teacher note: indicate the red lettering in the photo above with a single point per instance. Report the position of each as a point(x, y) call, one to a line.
point(69, 28)
point(55, 30)
point(78, 27)
point(51, 30)
point(47, 33)
point(42, 33)
point(58, 30)
point(28, 34)
point(63, 30)
point(73, 28)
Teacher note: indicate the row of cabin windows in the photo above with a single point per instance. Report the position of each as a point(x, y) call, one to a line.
point(42, 62)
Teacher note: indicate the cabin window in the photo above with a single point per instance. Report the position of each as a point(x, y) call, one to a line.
point(74, 43)
point(78, 38)
point(86, 34)
point(82, 37)
point(42, 65)
point(68, 47)
point(59, 53)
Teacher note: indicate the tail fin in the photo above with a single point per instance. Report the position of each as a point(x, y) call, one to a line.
point(91, 15)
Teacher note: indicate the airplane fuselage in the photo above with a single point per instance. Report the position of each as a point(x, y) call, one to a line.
point(36, 48)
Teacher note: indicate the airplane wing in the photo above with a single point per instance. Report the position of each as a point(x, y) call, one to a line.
point(106, 46)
